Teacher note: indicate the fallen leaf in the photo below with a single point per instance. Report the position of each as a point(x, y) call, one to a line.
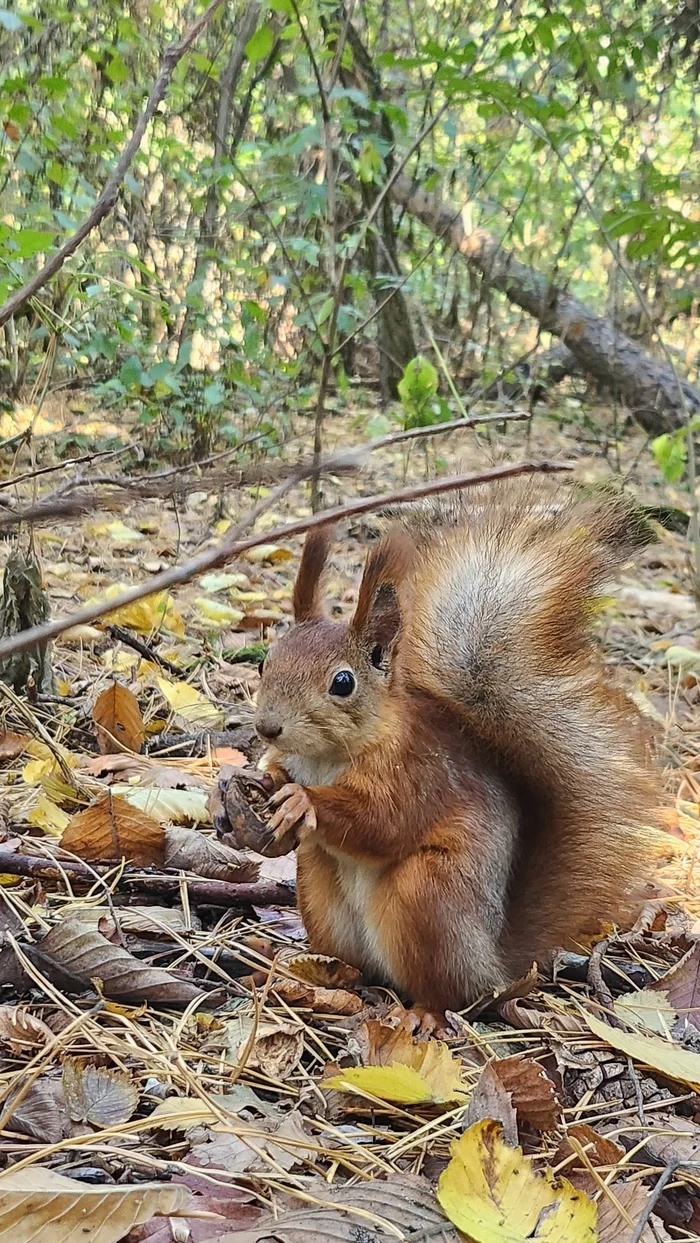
point(490, 1099)
point(112, 829)
point(41, 1113)
point(219, 582)
point(319, 1000)
point(612, 1226)
point(156, 921)
point(145, 616)
point(403, 1070)
point(676, 1140)
point(648, 1009)
point(180, 806)
point(669, 1059)
point(268, 552)
point(87, 955)
point(23, 1031)
point(284, 1141)
point(229, 755)
point(181, 1113)
point(98, 1094)
point(48, 816)
point(533, 1094)
point(216, 613)
point(323, 972)
point(40, 1206)
point(117, 531)
point(118, 719)
point(599, 1149)
point(681, 986)
point(190, 851)
point(11, 745)
point(493, 1195)
point(276, 1051)
point(401, 1206)
point(190, 708)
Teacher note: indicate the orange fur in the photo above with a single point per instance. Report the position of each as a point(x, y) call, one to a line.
point(481, 795)
point(309, 580)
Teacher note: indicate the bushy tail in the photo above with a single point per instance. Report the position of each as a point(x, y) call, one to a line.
point(504, 596)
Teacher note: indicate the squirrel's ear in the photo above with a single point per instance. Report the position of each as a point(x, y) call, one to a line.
point(309, 580)
point(377, 619)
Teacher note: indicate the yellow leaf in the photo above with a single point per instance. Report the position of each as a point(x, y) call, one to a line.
point(151, 613)
point(268, 552)
point(670, 1059)
point(44, 762)
point(646, 1008)
point(179, 806)
point(117, 532)
point(218, 614)
point(248, 597)
point(222, 526)
point(493, 1195)
point(119, 661)
point(48, 816)
point(427, 1072)
point(219, 582)
point(188, 704)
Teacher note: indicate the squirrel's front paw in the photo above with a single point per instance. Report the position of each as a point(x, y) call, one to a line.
point(295, 813)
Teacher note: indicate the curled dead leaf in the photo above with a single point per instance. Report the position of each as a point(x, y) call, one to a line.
point(98, 1094)
point(320, 1000)
point(110, 830)
point(118, 720)
point(323, 972)
point(11, 745)
point(88, 956)
point(532, 1092)
point(191, 851)
point(23, 1031)
point(398, 1068)
point(41, 1112)
point(276, 1051)
point(283, 1141)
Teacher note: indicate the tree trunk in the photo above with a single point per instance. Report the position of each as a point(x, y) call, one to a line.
point(657, 397)
point(395, 338)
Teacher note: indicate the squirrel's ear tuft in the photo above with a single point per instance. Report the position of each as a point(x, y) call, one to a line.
point(377, 619)
point(309, 580)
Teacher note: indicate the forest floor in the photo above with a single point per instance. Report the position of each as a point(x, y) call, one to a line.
point(171, 1055)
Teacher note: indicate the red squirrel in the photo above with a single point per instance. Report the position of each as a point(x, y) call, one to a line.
point(466, 790)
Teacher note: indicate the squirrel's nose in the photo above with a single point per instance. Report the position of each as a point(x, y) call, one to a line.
point(268, 729)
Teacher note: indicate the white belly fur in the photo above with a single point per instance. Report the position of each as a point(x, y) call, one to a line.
point(353, 925)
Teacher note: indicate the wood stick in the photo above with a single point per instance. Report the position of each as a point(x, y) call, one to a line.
point(216, 892)
point(108, 196)
point(214, 558)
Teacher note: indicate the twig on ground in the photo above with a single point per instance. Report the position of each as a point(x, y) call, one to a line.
point(214, 892)
point(232, 546)
point(108, 196)
point(663, 1180)
point(144, 649)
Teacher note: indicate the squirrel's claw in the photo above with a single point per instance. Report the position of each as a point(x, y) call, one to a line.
point(294, 809)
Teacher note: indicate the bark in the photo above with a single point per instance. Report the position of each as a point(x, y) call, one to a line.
point(656, 395)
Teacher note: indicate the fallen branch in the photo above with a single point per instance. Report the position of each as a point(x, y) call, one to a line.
point(217, 892)
point(108, 196)
point(231, 547)
point(656, 396)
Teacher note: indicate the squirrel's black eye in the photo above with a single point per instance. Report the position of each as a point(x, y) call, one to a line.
point(343, 683)
point(377, 655)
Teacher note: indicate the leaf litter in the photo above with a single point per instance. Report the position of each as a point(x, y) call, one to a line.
point(174, 1065)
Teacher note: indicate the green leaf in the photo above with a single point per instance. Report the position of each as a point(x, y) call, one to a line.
point(30, 241)
point(670, 454)
point(260, 44)
point(116, 70)
point(417, 389)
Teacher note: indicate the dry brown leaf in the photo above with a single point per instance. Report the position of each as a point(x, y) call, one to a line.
point(189, 850)
point(320, 1000)
point(23, 1031)
point(88, 956)
point(682, 986)
point(277, 1050)
point(528, 1018)
point(533, 1094)
point(612, 1226)
point(98, 1094)
point(41, 1113)
point(599, 1149)
point(153, 921)
point(369, 1212)
point(323, 972)
point(677, 1139)
point(41, 1206)
point(490, 1099)
point(118, 720)
point(110, 830)
point(11, 745)
point(399, 1068)
point(283, 1140)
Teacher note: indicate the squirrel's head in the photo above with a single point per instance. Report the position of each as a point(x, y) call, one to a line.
point(324, 691)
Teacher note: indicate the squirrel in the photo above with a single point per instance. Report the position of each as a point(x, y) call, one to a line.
point(466, 789)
